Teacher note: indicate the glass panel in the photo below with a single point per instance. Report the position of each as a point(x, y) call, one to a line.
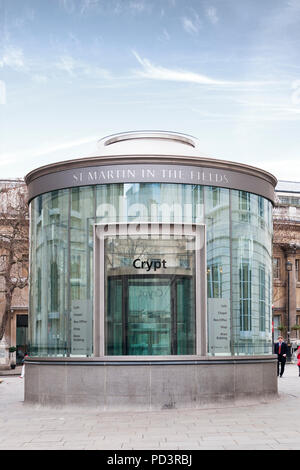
point(239, 243)
point(114, 333)
point(150, 295)
point(82, 219)
point(62, 273)
point(153, 202)
point(185, 326)
point(251, 274)
point(245, 296)
point(149, 316)
point(218, 269)
point(49, 313)
point(262, 299)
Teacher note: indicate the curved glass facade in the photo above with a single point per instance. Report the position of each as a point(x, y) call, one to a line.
point(238, 262)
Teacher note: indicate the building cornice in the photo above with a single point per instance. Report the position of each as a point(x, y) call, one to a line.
point(201, 162)
point(167, 169)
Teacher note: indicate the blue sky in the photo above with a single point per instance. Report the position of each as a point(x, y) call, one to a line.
point(224, 71)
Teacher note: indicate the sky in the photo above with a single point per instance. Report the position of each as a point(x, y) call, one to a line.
point(224, 71)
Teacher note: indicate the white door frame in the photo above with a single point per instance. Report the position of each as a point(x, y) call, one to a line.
point(103, 230)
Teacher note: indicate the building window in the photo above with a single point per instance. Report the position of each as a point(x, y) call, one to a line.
point(214, 280)
point(75, 267)
point(277, 323)
point(54, 282)
point(184, 261)
point(276, 268)
point(261, 211)
point(39, 290)
point(262, 299)
point(54, 200)
point(297, 267)
point(260, 202)
point(245, 297)
point(40, 204)
point(75, 199)
point(244, 206)
point(216, 197)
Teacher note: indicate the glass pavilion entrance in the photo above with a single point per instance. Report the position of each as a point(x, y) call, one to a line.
point(150, 278)
point(150, 315)
point(147, 287)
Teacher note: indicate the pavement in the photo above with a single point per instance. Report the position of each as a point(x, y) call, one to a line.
point(264, 426)
point(5, 372)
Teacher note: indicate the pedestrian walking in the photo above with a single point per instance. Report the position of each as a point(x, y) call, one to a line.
point(23, 367)
point(281, 351)
point(298, 357)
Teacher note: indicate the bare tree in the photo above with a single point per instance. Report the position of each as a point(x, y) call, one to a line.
point(14, 244)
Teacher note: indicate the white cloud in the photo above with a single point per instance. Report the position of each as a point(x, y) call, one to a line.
point(20, 22)
point(137, 6)
point(211, 13)
point(67, 64)
point(75, 67)
point(165, 36)
point(8, 158)
point(161, 73)
point(13, 58)
point(191, 26)
point(39, 78)
point(68, 5)
point(87, 5)
point(2, 92)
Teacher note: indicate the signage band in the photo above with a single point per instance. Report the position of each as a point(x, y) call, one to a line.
point(150, 173)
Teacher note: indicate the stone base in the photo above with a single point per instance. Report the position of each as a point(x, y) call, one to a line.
point(149, 384)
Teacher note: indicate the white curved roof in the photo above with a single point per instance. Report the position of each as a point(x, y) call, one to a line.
point(149, 143)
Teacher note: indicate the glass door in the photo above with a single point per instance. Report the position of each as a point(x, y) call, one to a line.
point(150, 297)
point(149, 316)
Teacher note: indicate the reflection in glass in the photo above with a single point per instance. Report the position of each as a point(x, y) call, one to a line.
point(239, 276)
point(150, 296)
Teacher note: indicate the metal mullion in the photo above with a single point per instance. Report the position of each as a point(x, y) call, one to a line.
point(173, 293)
point(125, 315)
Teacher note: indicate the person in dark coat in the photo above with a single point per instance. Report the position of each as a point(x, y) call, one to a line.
point(281, 349)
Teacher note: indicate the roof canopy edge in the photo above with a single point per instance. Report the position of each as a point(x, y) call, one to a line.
point(150, 168)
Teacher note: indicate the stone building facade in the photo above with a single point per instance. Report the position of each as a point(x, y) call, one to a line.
point(286, 262)
point(17, 325)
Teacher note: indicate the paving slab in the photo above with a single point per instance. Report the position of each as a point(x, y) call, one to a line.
point(233, 427)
